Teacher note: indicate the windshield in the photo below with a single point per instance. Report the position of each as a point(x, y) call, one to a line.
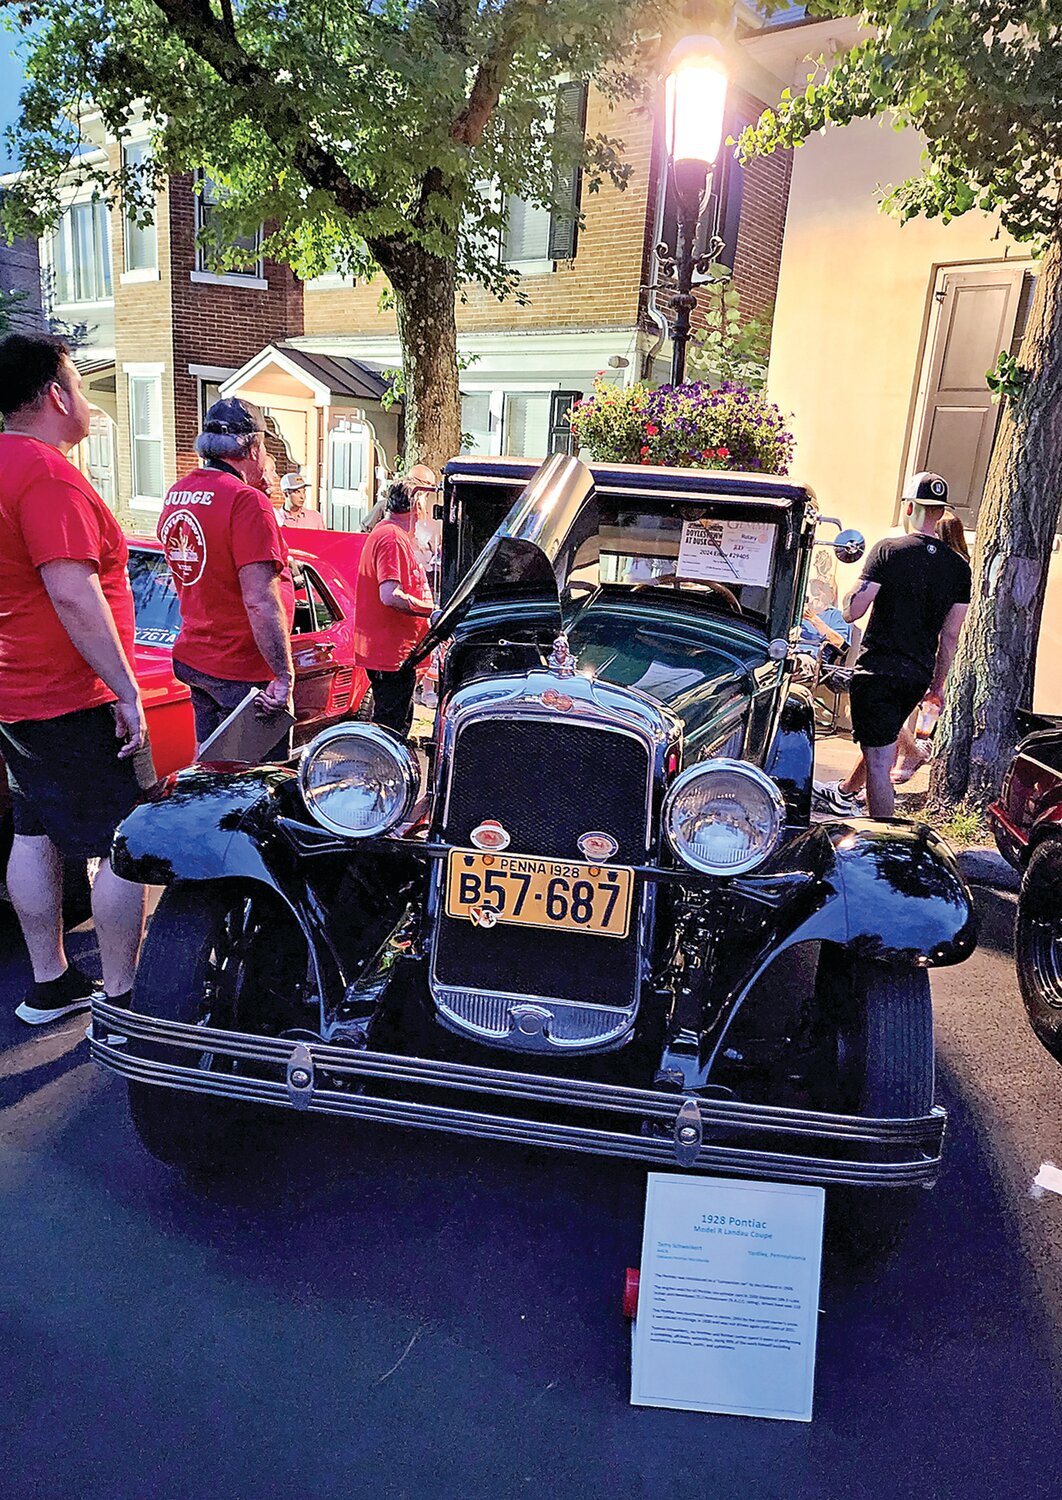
point(155, 602)
point(724, 560)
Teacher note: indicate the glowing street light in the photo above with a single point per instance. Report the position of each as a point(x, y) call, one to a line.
point(695, 89)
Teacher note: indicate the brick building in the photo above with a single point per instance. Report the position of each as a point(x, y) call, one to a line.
point(160, 334)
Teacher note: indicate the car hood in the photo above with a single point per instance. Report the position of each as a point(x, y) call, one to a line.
point(706, 682)
point(527, 559)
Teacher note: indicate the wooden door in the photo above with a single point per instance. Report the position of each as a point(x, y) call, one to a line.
point(978, 318)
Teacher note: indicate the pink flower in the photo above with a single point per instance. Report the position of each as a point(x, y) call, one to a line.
point(651, 429)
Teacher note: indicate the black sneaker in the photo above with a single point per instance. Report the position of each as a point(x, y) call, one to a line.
point(72, 991)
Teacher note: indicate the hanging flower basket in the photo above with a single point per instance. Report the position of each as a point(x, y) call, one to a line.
point(692, 426)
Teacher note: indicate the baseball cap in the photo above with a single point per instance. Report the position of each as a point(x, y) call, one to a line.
point(234, 417)
point(926, 489)
point(292, 481)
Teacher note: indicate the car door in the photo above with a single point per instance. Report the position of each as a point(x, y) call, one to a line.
point(327, 682)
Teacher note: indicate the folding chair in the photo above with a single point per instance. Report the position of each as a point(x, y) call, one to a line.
point(830, 688)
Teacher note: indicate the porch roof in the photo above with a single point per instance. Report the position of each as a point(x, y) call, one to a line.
point(331, 378)
point(343, 376)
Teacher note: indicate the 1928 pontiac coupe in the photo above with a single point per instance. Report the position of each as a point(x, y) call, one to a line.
point(608, 923)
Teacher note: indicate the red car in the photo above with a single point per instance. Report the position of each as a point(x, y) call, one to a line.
point(328, 685)
point(1027, 823)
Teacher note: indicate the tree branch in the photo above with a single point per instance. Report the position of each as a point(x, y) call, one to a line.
point(207, 36)
point(486, 88)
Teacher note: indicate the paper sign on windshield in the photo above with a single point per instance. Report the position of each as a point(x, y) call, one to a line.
point(727, 551)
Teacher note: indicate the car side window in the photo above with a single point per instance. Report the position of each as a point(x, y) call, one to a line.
point(314, 609)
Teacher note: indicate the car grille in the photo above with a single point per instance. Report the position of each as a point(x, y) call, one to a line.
point(547, 783)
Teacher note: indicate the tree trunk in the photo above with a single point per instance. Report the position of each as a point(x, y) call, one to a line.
point(992, 675)
point(425, 288)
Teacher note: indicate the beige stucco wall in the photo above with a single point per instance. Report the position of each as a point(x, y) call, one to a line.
point(854, 300)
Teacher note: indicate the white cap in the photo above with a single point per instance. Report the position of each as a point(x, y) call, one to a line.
point(292, 481)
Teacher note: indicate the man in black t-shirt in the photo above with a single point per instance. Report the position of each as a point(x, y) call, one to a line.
point(918, 591)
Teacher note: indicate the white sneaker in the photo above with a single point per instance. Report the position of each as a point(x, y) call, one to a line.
point(829, 793)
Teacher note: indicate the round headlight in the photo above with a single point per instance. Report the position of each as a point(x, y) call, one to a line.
point(723, 817)
point(358, 780)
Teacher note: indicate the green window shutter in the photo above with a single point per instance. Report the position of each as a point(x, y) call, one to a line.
point(567, 174)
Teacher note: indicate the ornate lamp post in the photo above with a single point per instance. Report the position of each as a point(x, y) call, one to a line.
point(695, 86)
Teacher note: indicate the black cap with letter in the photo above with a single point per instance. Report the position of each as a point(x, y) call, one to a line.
point(926, 489)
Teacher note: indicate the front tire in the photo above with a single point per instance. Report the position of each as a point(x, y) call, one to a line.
point(1038, 943)
point(222, 955)
point(880, 1022)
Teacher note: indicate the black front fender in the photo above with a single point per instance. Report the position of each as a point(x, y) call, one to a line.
point(887, 893)
point(205, 825)
point(905, 901)
point(791, 757)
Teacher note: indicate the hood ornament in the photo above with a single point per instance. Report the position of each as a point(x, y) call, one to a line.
point(561, 661)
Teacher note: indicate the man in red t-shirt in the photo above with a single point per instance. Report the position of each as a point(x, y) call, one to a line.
point(230, 564)
point(72, 731)
point(392, 604)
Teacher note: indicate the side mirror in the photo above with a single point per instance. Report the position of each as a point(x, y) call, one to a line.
point(438, 511)
point(849, 546)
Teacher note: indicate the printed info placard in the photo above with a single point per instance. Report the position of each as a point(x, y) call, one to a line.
point(727, 551)
point(729, 1297)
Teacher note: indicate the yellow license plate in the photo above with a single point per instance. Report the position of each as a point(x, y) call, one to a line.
point(520, 888)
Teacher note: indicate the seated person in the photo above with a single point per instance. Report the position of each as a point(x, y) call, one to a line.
point(825, 634)
point(823, 623)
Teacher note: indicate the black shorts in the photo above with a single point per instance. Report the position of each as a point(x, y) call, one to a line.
point(880, 705)
point(67, 782)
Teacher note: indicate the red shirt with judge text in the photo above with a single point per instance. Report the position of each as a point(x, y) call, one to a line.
point(212, 525)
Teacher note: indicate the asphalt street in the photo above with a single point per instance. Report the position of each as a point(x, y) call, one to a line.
point(394, 1314)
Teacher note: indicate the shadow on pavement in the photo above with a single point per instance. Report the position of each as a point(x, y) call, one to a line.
point(396, 1313)
point(996, 913)
point(357, 1311)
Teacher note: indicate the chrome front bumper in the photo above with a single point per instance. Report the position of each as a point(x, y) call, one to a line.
point(663, 1129)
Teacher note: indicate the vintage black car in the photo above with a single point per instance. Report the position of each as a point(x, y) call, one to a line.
point(609, 923)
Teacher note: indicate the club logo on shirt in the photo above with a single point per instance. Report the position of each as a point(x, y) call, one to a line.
point(185, 547)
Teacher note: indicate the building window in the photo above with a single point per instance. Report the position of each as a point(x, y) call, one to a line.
point(561, 439)
point(538, 236)
point(476, 422)
point(145, 429)
point(526, 235)
point(210, 241)
point(81, 255)
point(209, 392)
point(141, 240)
point(526, 431)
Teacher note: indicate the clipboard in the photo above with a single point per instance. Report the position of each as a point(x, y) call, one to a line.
point(245, 736)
